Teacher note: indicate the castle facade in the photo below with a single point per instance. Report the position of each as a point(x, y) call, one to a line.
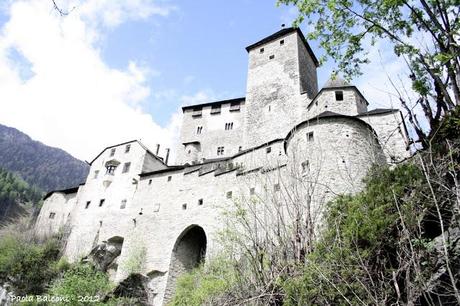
point(170, 215)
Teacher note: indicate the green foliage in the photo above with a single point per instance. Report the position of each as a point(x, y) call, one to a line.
point(205, 285)
point(135, 260)
point(79, 282)
point(28, 266)
point(13, 190)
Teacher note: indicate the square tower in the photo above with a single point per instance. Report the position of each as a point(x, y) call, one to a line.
point(281, 82)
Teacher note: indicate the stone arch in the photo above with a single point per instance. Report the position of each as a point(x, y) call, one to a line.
point(188, 253)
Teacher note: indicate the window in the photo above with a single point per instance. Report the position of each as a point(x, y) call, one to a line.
point(310, 137)
point(268, 150)
point(229, 126)
point(281, 42)
point(197, 112)
point(305, 166)
point(101, 202)
point(184, 206)
point(240, 148)
point(126, 167)
point(220, 151)
point(200, 202)
point(229, 194)
point(235, 106)
point(110, 169)
point(112, 152)
point(271, 57)
point(261, 50)
point(169, 178)
point(96, 173)
point(150, 182)
point(156, 207)
point(127, 148)
point(215, 109)
point(277, 187)
point(52, 215)
point(339, 95)
point(87, 204)
point(199, 129)
point(123, 204)
point(252, 191)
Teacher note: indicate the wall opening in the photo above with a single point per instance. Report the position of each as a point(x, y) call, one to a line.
point(188, 253)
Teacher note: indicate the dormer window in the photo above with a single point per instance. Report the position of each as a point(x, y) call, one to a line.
point(339, 95)
point(110, 166)
point(112, 152)
point(215, 109)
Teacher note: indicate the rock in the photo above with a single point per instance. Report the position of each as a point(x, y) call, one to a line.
point(134, 288)
point(5, 296)
point(104, 254)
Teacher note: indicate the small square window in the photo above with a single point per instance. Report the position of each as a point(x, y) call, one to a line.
point(197, 112)
point(96, 173)
point(339, 95)
point(127, 148)
point(126, 167)
point(277, 187)
point(282, 42)
point(229, 194)
point(310, 137)
point(123, 204)
point(200, 202)
point(184, 206)
point(305, 166)
point(112, 152)
point(252, 191)
point(101, 202)
point(150, 182)
point(261, 50)
point(271, 57)
point(52, 215)
point(268, 150)
point(156, 207)
point(169, 178)
point(215, 109)
point(87, 204)
point(220, 151)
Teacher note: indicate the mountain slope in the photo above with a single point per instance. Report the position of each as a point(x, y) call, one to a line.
point(39, 165)
point(14, 194)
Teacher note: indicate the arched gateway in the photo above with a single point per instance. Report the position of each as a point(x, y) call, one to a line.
point(188, 252)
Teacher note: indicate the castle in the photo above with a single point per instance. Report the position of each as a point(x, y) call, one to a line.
point(170, 215)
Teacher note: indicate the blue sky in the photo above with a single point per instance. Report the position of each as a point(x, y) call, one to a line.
point(116, 70)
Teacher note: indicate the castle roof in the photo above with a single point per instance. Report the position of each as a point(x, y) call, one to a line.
point(281, 33)
point(235, 100)
point(379, 111)
point(64, 191)
point(336, 82)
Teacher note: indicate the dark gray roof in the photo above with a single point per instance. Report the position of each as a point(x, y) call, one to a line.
point(281, 33)
point(336, 82)
point(379, 111)
point(64, 191)
point(235, 100)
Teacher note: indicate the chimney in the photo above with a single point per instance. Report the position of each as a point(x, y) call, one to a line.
point(167, 156)
point(158, 149)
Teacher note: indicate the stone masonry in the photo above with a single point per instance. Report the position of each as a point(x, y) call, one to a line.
point(168, 217)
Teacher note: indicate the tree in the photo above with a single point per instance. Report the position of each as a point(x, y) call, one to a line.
point(424, 32)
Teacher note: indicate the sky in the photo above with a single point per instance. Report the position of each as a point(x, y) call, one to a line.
point(115, 70)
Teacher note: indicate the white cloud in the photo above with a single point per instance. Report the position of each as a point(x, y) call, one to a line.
point(72, 99)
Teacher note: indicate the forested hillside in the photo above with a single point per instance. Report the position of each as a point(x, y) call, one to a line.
point(39, 165)
point(14, 192)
